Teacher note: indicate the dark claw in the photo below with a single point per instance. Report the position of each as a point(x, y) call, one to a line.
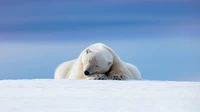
point(99, 78)
point(117, 77)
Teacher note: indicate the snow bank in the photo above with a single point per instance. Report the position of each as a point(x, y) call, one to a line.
point(98, 96)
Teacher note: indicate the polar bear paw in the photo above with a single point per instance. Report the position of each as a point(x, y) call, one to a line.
point(118, 77)
point(98, 77)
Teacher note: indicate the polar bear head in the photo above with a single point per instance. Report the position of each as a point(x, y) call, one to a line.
point(95, 63)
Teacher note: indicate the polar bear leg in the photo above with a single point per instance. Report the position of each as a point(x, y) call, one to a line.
point(118, 74)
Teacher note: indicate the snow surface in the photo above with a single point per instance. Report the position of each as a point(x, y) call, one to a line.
point(50, 95)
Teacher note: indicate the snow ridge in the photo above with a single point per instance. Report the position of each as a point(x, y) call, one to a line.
point(48, 95)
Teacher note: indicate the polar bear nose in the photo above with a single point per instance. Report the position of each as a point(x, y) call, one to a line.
point(86, 72)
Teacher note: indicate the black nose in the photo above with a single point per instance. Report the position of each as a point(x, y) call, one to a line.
point(86, 72)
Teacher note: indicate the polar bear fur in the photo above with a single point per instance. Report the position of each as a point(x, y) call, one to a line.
point(100, 62)
point(94, 59)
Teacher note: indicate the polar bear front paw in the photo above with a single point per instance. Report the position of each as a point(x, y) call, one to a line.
point(98, 77)
point(118, 77)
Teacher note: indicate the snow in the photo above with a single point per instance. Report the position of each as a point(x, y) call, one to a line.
point(48, 95)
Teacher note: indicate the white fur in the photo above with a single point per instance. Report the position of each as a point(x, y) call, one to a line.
point(75, 69)
point(104, 55)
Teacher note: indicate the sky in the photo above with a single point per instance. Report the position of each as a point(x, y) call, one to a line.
point(160, 37)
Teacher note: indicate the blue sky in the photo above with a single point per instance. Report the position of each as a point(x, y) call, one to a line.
point(160, 37)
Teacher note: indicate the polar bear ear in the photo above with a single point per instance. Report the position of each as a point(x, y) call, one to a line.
point(88, 51)
point(109, 63)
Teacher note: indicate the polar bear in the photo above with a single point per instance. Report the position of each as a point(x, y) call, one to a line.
point(92, 63)
point(98, 62)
